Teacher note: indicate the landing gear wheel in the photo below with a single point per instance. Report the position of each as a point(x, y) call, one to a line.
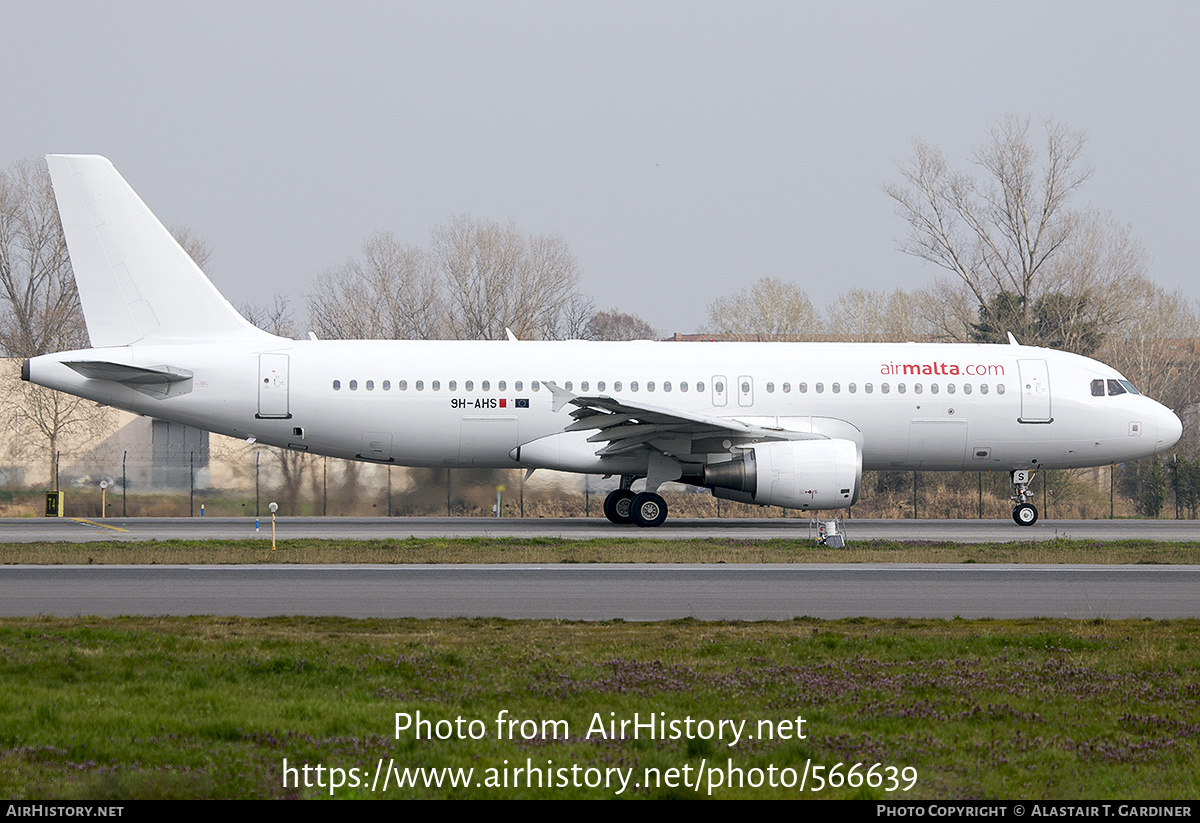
point(1025, 514)
point(648, 509)
point(616, 506)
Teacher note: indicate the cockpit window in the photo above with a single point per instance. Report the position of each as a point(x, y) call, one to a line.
point(1115, 388)
point(1129, 387)
point(1097, 388)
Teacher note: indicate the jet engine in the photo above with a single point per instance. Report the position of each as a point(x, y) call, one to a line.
point(795, 474)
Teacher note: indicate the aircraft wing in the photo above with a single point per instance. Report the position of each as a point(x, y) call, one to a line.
point(624, 427)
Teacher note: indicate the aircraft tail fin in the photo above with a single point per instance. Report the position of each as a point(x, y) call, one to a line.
point(136, 284)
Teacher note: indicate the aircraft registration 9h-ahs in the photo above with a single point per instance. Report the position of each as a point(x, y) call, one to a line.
point(778, 424)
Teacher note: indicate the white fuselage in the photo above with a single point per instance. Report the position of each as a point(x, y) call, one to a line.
point(464, 404)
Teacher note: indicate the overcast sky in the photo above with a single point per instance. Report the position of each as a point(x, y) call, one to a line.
point(681, 149)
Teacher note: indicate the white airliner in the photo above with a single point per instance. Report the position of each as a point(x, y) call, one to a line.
point(778, 424)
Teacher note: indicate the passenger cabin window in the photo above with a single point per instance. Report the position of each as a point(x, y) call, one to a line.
point(802, 388)
point(787, 388)
point(437, 384)
point(487, 384)
point(420, 385)
point(387, 385)
point(683, 386)
point(453, 385)
point(337, 385)
point(520, 385)
point(600, 385)
point(666, 385)
point(469, 385)
point(353, 385)
point(402, 385)
point(999, 388)
point(700, 385)
point(370, 385)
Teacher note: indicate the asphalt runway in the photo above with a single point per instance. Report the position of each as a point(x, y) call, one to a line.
point(604, 591)
point(25, 530)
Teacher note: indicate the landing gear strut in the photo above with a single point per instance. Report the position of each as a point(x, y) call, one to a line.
point(1025, 513)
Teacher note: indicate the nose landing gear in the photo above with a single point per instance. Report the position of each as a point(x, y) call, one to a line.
point(1025, 513)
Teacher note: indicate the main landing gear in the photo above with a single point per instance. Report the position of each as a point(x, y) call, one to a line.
point(1025, 513)
point(624, 506)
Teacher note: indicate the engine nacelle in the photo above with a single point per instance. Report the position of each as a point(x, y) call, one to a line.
point(795, 474)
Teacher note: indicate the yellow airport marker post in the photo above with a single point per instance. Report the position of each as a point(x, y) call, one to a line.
point(274, 507)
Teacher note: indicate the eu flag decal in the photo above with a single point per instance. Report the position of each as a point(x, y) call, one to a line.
point(521, 402)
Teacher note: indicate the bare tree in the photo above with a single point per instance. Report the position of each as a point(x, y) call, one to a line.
point(1001, 228)
point(496, 277)
point(1101, 262)
point(611, 324)
point(476, 279)
point(864, 315)
point(768, 309)
point(574, 318)
point(276, 318)
point(196, 245)
point(392, 292)
point(1023, 260)
point(41, 311)
point(52, 417)
point(1158, 344)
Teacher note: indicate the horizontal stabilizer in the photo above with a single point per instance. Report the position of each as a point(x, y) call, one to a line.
point(120, 373)
point(157, 381)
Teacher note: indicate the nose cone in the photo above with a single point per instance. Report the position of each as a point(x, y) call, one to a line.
point(1170, 428)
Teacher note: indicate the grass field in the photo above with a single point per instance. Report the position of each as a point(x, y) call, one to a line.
point(211, 707)
point(554, 550)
